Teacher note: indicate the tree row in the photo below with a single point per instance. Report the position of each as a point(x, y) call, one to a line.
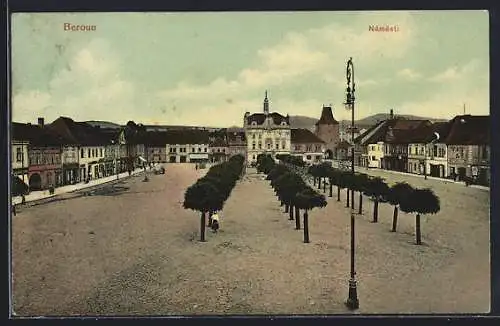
point(210, 192)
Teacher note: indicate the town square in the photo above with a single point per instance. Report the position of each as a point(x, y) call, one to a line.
point(287, 201)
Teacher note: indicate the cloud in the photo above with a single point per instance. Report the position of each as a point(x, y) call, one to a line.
point(93, 85)
point(320, 52)
point(456, 73)
point(409, 74)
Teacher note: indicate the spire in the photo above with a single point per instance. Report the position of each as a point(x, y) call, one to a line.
point(266, 105)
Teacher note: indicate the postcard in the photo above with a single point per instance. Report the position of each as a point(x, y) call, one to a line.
point(250, 163)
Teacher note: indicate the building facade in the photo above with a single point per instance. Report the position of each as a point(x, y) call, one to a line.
point(236, 142)
point(266, 133)
point(375, 154)
point(307, 145)
point(19, 159)
point(468, 148)
point(187, 146)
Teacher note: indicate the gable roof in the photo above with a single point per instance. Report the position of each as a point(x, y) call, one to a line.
point(81, 133)
point(36, 135)
point(469, 130)
point(327, 117)
point(300, 135)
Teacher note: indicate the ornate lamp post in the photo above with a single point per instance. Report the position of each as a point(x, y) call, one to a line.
point(352, 301)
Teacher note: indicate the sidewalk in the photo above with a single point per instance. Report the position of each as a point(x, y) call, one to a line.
point(42, 194)
point(376, 170)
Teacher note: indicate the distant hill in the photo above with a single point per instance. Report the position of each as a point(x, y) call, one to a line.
point(103, 124)
point(299, 121)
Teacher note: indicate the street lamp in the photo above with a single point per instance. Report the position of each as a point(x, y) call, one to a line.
point(352, 301)
point(436, 138)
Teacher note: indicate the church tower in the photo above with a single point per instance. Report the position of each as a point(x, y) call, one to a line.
point(266, 105)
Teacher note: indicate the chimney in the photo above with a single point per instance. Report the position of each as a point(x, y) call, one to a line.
point(40, 122)
point(391, 115)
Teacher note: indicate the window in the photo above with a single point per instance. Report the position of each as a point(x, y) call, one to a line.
point(19, 154)
point(435, 150)
point(373, 158)
point(254, 123)
point(308, 157)
point(218, 150)
point(88, 152)
point(253, 136)
point(205, 149)
point(260, 145)
point(199, 149)
point(253, 157)
point(223, 150)
point(283, 145)
point(81, 153)
point(260, 136)
point(277, 146)
point(101, 152)
point(268, 145)
point(253, 145)
point(318, 148)
point(308, 148)
point(192, 150)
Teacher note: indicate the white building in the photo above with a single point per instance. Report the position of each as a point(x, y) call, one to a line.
point(188, 145)
point(90, 158)
point(19, 156)
point(266, 133)
point(375, 154)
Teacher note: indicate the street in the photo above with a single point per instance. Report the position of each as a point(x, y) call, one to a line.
point(131, 249)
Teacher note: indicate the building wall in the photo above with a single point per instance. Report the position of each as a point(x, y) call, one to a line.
point(375, 153)
point(310, 152)
point(184, 153)
point(20, 159)
point(46, 163)
point(329, 134)
point(157, 154)
point(87, 155)
point(274, 141)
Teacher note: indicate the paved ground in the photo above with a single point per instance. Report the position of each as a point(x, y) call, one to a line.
point(134, 250)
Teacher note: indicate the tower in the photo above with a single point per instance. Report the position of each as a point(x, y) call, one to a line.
point(327, 129)
point(266, 105)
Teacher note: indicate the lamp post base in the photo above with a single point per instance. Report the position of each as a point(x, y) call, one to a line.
point(352, 302)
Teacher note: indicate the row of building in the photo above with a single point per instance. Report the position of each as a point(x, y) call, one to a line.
point(457, 149)
point(68, 152)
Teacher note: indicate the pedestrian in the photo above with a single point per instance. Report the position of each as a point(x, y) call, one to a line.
point(215, 222)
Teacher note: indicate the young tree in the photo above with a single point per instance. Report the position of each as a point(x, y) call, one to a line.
point(397, 194)
point(203, 197)
point(307, 199)
point(377, 189)
point(423, 201)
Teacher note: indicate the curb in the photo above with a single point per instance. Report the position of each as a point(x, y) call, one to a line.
point(71, 191)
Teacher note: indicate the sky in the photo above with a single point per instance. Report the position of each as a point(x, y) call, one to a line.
point(210, 68)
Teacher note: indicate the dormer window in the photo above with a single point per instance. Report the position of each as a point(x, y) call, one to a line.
point(254, 123)
point(283, 123)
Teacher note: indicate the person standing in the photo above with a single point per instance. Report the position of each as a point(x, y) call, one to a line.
point(215, 222)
